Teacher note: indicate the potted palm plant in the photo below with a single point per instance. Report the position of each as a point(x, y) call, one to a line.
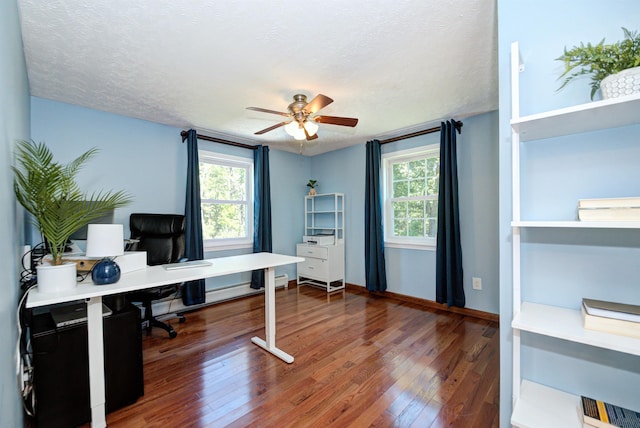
point(614, 68)
point(48, 190)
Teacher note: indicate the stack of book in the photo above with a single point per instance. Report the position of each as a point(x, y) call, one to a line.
point(609, 209)
point(610, 317)
point(596, 413)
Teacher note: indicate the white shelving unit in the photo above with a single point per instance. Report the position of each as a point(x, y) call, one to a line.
point(324, 216)
point(323, 242)
point(536, 405)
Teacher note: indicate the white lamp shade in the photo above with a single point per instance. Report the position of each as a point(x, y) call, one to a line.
point(311, 127)
point(105, 240)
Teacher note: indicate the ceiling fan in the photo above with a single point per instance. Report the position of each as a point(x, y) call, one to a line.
point(301, 123)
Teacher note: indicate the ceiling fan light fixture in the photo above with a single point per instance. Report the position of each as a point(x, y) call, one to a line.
point(311, 127)
point(291, 128)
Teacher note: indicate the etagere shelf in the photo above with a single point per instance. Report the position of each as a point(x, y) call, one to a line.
point(536, 405)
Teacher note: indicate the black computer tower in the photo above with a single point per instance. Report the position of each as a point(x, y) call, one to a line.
point(61, 367)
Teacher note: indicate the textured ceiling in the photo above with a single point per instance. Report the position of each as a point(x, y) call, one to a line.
point(398, 66)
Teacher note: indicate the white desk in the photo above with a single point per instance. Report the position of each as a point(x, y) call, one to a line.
point(154, 276)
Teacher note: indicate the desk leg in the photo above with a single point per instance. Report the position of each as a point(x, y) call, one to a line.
point(270, 318)
point(96, 362)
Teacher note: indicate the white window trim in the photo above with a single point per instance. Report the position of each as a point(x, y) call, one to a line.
point(387, 159)
point(207, 156)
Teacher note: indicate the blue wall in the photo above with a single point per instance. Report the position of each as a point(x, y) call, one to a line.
point(412, 272)
point(562, 266)
point(148, 160)
point(14, 125)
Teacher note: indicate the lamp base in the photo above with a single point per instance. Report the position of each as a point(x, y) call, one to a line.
point(106, 271)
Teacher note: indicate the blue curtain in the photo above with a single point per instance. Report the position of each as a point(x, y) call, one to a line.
point(193, 292)
point(449, 285)
point(375, 270)
point(262, 240)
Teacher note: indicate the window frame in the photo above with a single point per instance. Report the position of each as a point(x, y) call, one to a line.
point(223, 159)
point(387, 161)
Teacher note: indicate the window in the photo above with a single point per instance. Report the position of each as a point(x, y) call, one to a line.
point(226, 192)
point(411, 197)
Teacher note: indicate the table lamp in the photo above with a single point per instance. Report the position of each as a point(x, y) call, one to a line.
point(106, 241)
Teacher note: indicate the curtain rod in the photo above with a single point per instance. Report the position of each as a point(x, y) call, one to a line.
point(457, 124)
point(183, 134)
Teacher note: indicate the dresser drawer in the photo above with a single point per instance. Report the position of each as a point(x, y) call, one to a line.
point(312, 251)
point(314, 268)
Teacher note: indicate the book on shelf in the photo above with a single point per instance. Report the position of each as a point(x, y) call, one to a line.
point(622, 311)
point(609, 214)
point(610, 321)
point(600, 414)
point(633, 202)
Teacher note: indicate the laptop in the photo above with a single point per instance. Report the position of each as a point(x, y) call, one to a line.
point(66, 315)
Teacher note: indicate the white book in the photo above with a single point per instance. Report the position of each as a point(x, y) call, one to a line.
point(609, 214)
point(610, 203)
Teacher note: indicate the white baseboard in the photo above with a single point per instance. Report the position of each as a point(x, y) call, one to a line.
point(217, 295)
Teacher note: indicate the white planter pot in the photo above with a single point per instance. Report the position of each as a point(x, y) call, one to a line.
point(54, 279)
point(626, 82)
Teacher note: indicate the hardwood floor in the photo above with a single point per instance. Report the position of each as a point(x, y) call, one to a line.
point(360, 361)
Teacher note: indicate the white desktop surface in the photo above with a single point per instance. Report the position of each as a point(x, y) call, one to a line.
point(154, 276)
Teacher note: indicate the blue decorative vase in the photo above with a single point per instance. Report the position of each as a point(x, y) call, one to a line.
point(106, 271)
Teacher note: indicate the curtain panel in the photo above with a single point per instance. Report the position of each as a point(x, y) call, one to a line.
point(262, 236)
point(193, 292)
point(375, 269)
point(449, 279)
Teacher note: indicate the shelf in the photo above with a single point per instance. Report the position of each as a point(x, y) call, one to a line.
point(566, 324)
point(578, 224)
point(593, 116)
point(541, 406)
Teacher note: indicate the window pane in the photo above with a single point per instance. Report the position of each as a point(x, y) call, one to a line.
point(400, 171)
point(399, 209)
point(416, 209)
point(416, 228)
point(433, 167)
point(416, 169)
point(431, 209)
point(431, 228)
point(399, 227)
point(417, 188)
point(223, 221)
point(432, 186)
point(222, 182)
point(400, 189)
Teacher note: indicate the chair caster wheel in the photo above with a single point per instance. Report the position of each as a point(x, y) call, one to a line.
point(172, 334)
point(182, 320)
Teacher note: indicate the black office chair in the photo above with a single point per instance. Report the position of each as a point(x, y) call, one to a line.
point(162, 237)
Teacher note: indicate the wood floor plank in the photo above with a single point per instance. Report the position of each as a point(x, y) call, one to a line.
point(360, 361)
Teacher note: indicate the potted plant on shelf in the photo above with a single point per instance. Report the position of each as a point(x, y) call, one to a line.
point(614, 68)
point(312, 187)
point(48, 190)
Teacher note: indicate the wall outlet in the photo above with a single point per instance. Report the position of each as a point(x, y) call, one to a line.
point(477, 283)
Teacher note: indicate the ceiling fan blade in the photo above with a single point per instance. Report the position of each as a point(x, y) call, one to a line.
point(271, 128)
point(320, 101)
point(336, 120)
point(264, 110)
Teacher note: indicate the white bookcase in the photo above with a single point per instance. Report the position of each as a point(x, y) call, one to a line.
point(536, 405)
point(323, 242)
